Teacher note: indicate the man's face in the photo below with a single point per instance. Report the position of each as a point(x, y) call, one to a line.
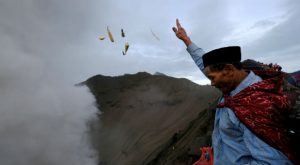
point(223, 80)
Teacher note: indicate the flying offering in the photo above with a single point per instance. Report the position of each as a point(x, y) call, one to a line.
point(111, 38)
point(110, 35)
point(126, 48)
point(101, 38)
point(122, 33)
point(154, 35)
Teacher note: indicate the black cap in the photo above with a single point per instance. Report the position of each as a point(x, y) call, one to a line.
point(230, 54)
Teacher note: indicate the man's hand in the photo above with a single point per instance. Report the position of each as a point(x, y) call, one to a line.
point(181, 34)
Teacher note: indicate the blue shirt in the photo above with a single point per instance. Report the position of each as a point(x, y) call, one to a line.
point(233, 142)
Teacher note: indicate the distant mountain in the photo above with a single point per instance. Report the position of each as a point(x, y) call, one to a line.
point(151, 119)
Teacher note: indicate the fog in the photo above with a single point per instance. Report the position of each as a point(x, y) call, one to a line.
point(47, 46)
point(44, 121)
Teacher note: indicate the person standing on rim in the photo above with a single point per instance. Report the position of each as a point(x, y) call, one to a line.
point(248, 126)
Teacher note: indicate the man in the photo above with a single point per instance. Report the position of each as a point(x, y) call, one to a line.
point(236, 138)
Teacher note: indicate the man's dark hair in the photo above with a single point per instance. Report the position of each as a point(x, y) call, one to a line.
point(220, 66)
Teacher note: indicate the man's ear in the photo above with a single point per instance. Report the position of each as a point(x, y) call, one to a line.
point(228, 68)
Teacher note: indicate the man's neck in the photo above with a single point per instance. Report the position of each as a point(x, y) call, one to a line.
point(240, 76)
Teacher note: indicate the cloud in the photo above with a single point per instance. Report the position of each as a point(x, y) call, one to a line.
point(44, 121)
point(43, 115)
point(280, 44)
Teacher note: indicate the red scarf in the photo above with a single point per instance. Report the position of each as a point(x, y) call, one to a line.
point(261, 108)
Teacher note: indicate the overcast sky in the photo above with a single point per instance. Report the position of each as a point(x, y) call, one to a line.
point(47, 46)
point(61, 36)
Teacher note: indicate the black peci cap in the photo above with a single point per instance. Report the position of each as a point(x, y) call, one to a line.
point(230, 54)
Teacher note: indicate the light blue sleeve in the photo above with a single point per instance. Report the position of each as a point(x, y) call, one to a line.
point(196, 54)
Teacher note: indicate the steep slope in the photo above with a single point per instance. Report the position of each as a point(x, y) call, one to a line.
point(150, 119)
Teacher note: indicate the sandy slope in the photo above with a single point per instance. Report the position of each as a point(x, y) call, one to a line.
point(150, 119)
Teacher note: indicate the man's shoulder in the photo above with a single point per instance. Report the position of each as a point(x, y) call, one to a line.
point(248, 81)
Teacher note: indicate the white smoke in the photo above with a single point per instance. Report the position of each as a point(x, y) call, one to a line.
point(43, 116)
point(45, 122)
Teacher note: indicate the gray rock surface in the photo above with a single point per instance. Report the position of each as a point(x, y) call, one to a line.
point(151, 119)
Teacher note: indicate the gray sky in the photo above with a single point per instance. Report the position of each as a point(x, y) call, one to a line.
point(61, 36)
point(47, 46)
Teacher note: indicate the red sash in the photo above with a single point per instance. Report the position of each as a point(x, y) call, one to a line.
point(261, 108)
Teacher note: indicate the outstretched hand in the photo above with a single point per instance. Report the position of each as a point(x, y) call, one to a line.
point(181, 33)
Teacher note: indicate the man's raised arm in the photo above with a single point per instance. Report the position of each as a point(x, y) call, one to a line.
point(195, 52)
